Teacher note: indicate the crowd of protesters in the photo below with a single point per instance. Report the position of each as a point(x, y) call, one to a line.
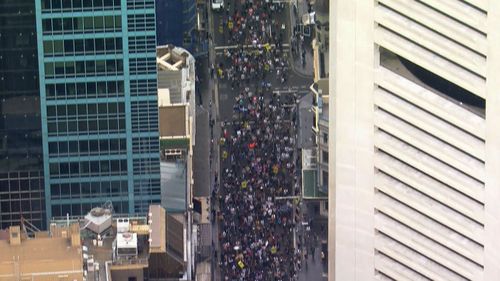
point(258, 172)
point(257, 35)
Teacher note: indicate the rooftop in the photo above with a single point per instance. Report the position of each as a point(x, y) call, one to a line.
point(173, 121)
point(52, 256)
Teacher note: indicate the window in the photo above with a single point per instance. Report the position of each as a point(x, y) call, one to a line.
point(88, 23)
point(68, 46)
point(325, 138)
point(68, 24)
point(98, 23)
point(324, 155)
point(109, 22)
point(324, 177)
point(58, 47)
point(47, 25)
point(48, 47)
point(79, 45)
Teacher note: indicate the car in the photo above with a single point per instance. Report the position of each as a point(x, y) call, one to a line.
point(217, 5)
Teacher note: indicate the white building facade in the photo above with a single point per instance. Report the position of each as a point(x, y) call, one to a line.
point(415, 162)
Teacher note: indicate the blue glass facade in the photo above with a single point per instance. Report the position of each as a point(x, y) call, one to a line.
point(176, 24)
point(21, 161)
point(97, 62)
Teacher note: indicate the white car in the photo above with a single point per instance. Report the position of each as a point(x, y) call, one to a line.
point(217, 4)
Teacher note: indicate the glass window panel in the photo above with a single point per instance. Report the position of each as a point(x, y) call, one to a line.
point(80, 87)
point(94, 146)
point(60, 90)
point(74, 168)
point(94, 168)
point(109, 22)
point(83, 145)
point(51, 127)
point(101, 88)
point(50, 89)
point(97, 3)
point(47, 25)
point(55, 190)
point(87, 3)
point(82, 126)
point(58, 47)
point(71, 110)
point(77, 24)
point(68, 24)
point(57, 24)
point(88, 23)
point(113, 145)
point(84, 168)
point(51, 111)
point(110, 44)
point(118, 43)
point(92, 109)
point(63, 147)
point(92, 127)
point(73, 147)
point(89, 45)
point(105, 166)
point(119, 65)
point(56, 4)
point(112, 107)
point(72, 126)
point(62, 127)
point(99, 44)
point(49, 68)
point(82, 110)
point(70, 90)
point(48, 47)
point(69, 46)
point(102, 108)
point(113, 124)
point(70, 67)
point(111, 66)
point(100, 66)
point(53, 148)
point(79, 45)
point(46, 4)
point(103, 125)
point(90, 68)
point(59, 68)
point(111, 86)
point(77, 4)
point(98, 23)
point(104, 145)
point(80, 70)
point(118, 22)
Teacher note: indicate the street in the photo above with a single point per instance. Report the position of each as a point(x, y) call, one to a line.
point(249, 55)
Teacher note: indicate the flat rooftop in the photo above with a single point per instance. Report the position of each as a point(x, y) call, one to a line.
point(173, 121)
point(40, 255)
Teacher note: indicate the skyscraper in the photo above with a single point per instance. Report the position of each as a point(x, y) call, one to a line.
point(414, 181)
point(97, 62)
point(21, 165)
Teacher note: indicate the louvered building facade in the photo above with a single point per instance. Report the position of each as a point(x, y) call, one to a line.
point(415, 182)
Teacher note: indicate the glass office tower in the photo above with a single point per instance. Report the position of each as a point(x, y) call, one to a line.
point(21, 165)
point(97, 62)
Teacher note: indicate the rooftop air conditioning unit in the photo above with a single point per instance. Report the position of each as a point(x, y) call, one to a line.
point(98, 220)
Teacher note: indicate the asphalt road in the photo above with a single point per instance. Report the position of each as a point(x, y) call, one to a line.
point(299, 80)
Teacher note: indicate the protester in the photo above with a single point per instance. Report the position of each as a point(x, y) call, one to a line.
point(253, 27)
point(256, 229)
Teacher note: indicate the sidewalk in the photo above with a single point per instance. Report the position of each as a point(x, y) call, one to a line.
point(303, 45)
